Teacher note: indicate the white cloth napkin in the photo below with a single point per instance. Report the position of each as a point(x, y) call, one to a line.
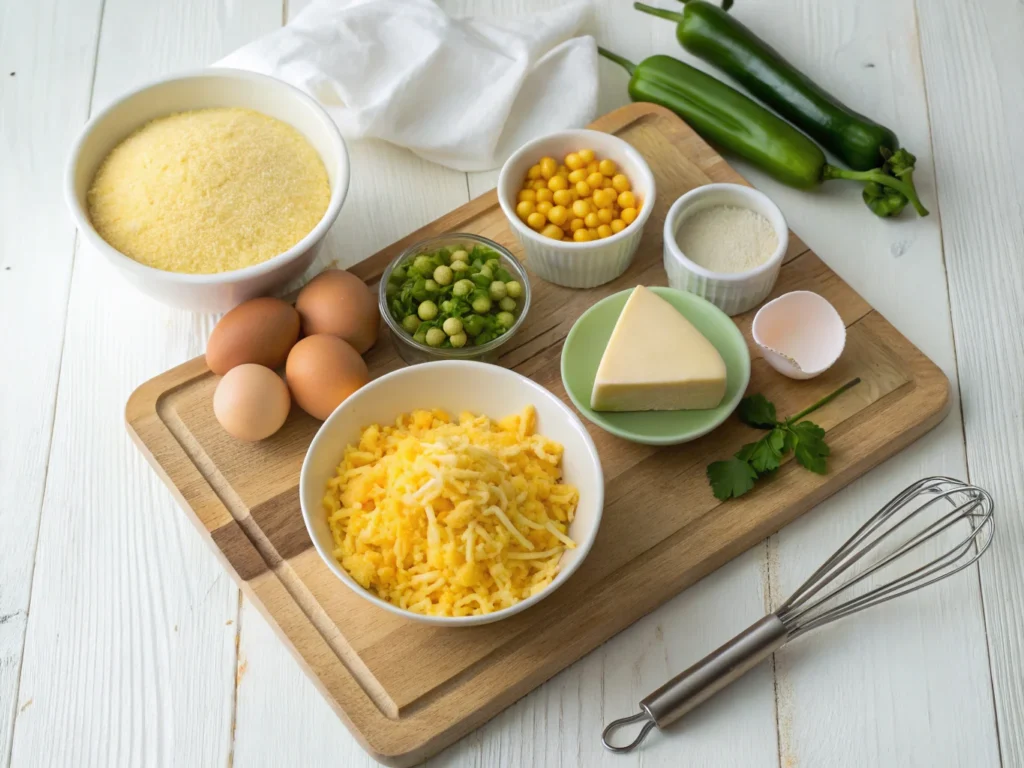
point(464, 93)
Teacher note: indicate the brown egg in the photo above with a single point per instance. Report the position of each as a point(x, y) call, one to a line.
point(323, 370)
point(259, 331)
point(339, 303)
point(251, 402)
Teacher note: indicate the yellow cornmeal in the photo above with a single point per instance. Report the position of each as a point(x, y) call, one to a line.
point(209, 191)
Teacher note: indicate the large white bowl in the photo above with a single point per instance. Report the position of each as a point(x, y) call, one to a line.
point(454, 386)
point(577, 265)
point(200, 90)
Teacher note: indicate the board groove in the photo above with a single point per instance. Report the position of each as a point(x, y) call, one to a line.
point(408, 690)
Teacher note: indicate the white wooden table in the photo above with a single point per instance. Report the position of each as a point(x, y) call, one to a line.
point(124, 643)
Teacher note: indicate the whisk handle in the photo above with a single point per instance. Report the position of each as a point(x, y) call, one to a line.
point(715, 671)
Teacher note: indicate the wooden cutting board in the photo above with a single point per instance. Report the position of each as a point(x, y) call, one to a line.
point(407, 690)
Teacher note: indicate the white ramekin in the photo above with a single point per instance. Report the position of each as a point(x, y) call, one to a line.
point(577, 265)
point(199, 90)
point(731, 293)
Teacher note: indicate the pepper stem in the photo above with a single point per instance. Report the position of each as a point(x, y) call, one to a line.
point(905, 188)
point(824, 401)
point(663, 14)
point(625, 63)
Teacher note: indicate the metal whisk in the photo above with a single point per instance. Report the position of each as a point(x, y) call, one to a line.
point(922, 512)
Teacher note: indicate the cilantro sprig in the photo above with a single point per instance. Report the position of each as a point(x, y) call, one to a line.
point(805, 439)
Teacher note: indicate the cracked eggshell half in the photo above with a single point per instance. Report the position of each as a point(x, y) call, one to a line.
point(800, 334)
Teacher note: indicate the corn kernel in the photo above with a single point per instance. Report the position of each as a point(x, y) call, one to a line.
point(552, 231)
point(576, 224)
point(626, 199)
point(556, 183)
point(591, 220)
point(558, 215)
point(586, 155)
point(524, 209)
point(536, 221)
point(605, 215)
point(629, 215)
point(581, 236)
point(621, 183)
point(548, 167)
point(543, 207)
point(582, 189)
point(617, 225)
point(562, 197)
point(595, 180)
point(534, 172)
point(580, 208)
point(604, 231)
point(544, 195)
point(527, 194)
point(573, 161)
point(603, 198)
point(607, 167)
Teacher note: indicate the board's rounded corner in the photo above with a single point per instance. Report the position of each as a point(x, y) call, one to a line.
point(142, 402)
point(397, 758)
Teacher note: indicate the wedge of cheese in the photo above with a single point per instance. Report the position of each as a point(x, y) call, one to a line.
point(657, 361)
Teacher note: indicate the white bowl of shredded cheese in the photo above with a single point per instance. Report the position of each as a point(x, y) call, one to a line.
point(491, 482)
point(216, 289)
point(725, 243)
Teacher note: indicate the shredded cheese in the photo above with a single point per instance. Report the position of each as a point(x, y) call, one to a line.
point(452, 518)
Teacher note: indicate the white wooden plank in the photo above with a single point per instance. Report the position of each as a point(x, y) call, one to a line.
point(130, 642)
point(877, 690)
point(48, 51)
point(280, 718)
point(974, 67)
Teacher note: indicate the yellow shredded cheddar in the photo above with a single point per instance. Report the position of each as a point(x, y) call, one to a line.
point(452, 518)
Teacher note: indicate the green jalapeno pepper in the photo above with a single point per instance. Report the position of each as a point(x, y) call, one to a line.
point(735, 122)
point(711, 34)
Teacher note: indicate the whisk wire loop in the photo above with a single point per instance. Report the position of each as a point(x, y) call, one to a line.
point(805, 609)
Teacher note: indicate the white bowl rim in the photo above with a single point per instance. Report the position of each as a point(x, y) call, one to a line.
point(338, 193)
point(522, 229)
point(671, 221)
point(564, 574)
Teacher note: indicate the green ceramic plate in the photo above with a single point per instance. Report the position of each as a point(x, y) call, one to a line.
point(586, 343)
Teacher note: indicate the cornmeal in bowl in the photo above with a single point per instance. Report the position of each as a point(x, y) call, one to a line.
point(209, 191)
point(451, 517)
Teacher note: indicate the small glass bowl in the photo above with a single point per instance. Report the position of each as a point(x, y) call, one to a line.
point(412, 351)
